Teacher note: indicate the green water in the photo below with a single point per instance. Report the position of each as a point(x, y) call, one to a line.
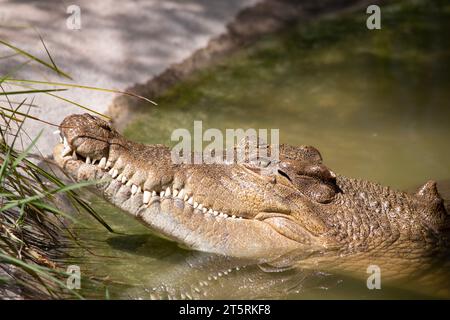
point(375, 103)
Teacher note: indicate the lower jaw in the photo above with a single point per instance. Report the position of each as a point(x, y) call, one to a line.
point(173, 219)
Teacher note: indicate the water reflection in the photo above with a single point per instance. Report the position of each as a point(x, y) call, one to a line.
point(196, 275)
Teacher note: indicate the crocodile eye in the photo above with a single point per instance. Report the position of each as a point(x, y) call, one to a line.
point(264, 162)
point(259, 162)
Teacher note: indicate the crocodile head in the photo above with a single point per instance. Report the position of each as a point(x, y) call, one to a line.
point(236, 209)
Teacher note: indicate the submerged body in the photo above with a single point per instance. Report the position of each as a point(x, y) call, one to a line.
point(301, 214)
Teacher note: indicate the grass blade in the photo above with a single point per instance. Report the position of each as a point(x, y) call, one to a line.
point(26, 151)
point(28, 55)
point(29, 91)
point(62, 84)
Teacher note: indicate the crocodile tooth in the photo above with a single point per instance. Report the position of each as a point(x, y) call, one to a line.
point(221, 215)
point(115, 173)
point(233, 216)
point(181, 194)
point(161, 194)
point(225, 215)
point(175, 192)
point(205, 210)
point(56, 132)
point(124, 179)
point(146, 197)
point(119, 177)
point(111, 171)
point(102, 163)
point(191, 201)
point(154, 193)
point(139, 189)
point(200, 207)
point(66, 151)
point(108, 164)
point(229, 270)
point(74, 155)
point(195, 204)
point(210, 211)
point(129, 183)
point(186, 197)
point(61, 140)
point(66, 143)
point(134, 189)
point(216, 213)
point(88, 160)
point(93, 162)
point(168, 192)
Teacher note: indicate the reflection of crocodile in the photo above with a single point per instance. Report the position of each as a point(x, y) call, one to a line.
point(200, 275)
point(300, 211)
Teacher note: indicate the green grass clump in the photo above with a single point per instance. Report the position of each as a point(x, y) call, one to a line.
point(34, 231)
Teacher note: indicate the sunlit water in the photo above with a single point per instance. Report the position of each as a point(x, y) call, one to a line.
point(375, 103)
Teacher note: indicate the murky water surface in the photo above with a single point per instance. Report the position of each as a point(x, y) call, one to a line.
point(375, 103)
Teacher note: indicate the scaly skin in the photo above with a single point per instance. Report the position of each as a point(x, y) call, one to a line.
point(301, 211)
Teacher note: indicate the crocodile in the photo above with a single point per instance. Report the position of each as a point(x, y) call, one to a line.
point(297, 213)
